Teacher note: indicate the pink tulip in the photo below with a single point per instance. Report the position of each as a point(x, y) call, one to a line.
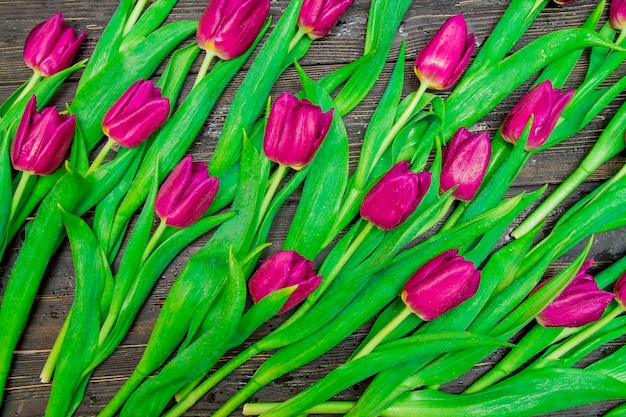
point(318, 17)
point(617, 14)
point(395, 196)
point(186, 194)
point(440, 285)
point(42, 139)
point(50, 47)
point(281, 270)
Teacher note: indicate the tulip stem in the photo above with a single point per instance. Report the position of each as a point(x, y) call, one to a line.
point(204, 68)
point(100, 157)
point(296, 38)
point(382, 334)
point(153, 241)
point(273, 183)
point(53, 356)
point(575, 340)
point(19, 192)
point(134, 16)
point(32, 81)
point(329, 407)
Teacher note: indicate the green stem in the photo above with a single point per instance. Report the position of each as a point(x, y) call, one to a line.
point(32, 81)
point(330, 407)
point(574, 341)
point(239, 398)
point(195, 395)
point(442, 212)
point(19, 192)
point(329, 278)
point(550, 203)
point(296, 38)
point(100, 157)
point(204, 68)
point(272, 186)
point(53, 357)
point(134, 16)
point(383, 333)
point(122, 395)
point(153, 241)
point(620, 37)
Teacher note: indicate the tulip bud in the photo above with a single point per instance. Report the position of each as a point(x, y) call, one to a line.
point(617, 14)
point(186, 194)
point(465, 161)
point(227, 28)
point(281, 270)
point(295, 130)
point(440, 285)
point(440, 63)
point(50, 47)
point(620, 291)
point(137, 114)
point(395, 196)
point(318, 17)
point(580, 303)
point(42, 139)
point(542, 102)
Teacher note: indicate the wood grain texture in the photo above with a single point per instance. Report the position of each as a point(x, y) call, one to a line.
point(26, 396)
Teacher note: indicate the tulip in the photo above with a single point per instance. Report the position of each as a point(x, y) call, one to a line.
point(620, 291)
point(617, 14)
point(465, 161)
point(295, 130)
point(186, 194)
point(137, 114)
point(562, 2)
point(440, 285)
point(318, 17)
point(395, 196)
point(50, 47)
point(440, 63)
point(281, 270)
point(580, 303)
point(227, 28)
point(545, 104)
point(42, 139)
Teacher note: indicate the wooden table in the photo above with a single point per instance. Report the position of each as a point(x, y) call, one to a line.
point(26, 396)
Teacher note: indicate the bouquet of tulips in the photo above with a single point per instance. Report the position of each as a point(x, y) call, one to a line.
point(405, 244)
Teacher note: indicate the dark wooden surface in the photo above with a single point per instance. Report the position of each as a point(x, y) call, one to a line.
point(26, 396)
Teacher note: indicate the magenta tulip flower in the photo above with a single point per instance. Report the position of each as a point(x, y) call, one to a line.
point(186, 194)
point(440, 285)
point(227, 28)
point(51, 46)
point(42, 139)
point(137, 114)
point(440, 63)
point(545, 104)
point(281, 270)
point(395, 196)
point(465, 162)
point(617, 14)
point(318, 17)
point(580, 303)
point(295, 130)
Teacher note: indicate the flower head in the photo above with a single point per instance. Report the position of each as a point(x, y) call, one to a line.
point(395, 196)
point(465, 162)
point(617, 14)
point(281, 270)
point(295, 130)
point(440, 285)
point(42, 139)
point(318, 17)
point(545, 104)
point(620, 290)
point(440, 63)
point(50, 47)
point(580, 303)
point(186, 194)
point(137, 114)
point(228, 28)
